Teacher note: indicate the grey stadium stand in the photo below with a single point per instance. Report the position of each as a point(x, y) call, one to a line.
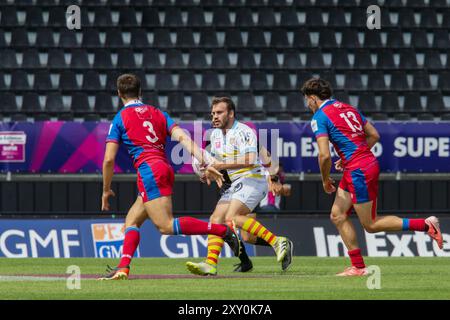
point(260, 51)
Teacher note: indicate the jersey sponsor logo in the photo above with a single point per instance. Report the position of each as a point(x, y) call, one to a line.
point(143, 113)
point(314, 125)
point(108, 239)
point(246, 137)
point(238, 187)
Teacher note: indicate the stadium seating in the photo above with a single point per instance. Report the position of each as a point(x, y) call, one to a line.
point(258, 51)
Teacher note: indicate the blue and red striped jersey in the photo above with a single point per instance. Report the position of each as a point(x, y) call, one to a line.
point(143, 129)
point(344, 126)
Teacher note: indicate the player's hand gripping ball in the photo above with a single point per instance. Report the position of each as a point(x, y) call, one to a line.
point(198, 168)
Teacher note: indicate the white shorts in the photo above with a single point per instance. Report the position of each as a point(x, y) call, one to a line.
point(249, 191)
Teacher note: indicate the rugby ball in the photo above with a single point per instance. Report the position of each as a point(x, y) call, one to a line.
point(196, 164)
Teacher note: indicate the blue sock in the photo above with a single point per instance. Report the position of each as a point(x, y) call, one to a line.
point(176, 227)
point(405, 226)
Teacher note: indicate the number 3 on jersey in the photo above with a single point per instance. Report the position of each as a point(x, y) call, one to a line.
point(152, 137)
point(356, 126)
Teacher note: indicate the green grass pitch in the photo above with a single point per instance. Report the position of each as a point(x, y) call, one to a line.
point(308, 278)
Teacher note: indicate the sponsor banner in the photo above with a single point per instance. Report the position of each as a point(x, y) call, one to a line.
point(108, 239)
point(312, 236)
point(40, 238)
point(102, 238)
point(73, 147)
point(12, 146)
point(317, 236)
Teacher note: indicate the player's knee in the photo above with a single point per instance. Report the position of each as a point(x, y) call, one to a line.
point(216, 219)
point(370, 227)
point(337, 218)
point(229, 218)
point(165, 228)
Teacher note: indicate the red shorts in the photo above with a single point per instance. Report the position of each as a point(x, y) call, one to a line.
point(154, 180)
point(362, 184)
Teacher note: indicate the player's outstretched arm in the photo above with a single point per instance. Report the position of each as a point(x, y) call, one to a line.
point(271, 164)
point(211, 173)
point(325, 164)
point(179, 135)
point(108, 172)
point(372, 135)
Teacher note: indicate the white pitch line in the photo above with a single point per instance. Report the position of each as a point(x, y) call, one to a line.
point(30, 278)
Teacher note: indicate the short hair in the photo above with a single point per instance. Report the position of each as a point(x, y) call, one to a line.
point(318, 87)
point(129, 85)
point(227, 100)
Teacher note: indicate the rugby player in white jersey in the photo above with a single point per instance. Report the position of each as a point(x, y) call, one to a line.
point(234, 149)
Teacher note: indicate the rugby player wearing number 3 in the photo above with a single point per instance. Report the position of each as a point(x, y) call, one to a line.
point(352, 137)
point(144, 130)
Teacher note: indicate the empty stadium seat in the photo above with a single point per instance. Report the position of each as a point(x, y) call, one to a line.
point(125, 59)
point(30, 102)
point(151, 59)
point(196, 17)
point(114, 38)
point(185, 39)
point(173, 17)
point(68, 80)
point(139, 38)
point(197, 59)
point(42, 80)
point(219, 59)
point(31, 59)
point(103, 103)
point(269, 59)
point(258, 80)
point(435, 102)
point(68, 39)
point(246, 59)
point(187, 81)
point(389, 101)
point(244, 17)
point(91, 81)
point(233, 38)
point(8, 101)
point(210, 81)
point(367, 102)
point(199, 103)
point(150, 98)
point(176, 102)
point(80, 102)
point(19, 80)
point(44, 38)
point(54, 102)
point(412, 102)
point(174, 59)
point(233, 81)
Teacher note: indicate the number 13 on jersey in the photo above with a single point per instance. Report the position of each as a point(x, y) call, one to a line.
point(355, 126)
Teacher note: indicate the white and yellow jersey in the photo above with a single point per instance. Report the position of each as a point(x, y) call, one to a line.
point(238, 141)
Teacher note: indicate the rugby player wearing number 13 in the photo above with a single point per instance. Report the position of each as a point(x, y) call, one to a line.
point(352, 137)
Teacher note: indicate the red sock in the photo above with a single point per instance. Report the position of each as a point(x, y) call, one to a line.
point(130, 243)
point(356, 258)
point(190, 226)
point(417, 225)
